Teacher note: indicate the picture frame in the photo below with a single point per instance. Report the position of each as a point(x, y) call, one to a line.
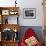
point(13, 12)
point(13, 20)
point(5, 12)
point(29, 13)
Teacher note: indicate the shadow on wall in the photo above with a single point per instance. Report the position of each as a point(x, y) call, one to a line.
point(37, 29)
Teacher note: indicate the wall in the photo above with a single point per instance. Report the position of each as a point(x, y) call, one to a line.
point(27, 4)
point(7, 3)
point(39, 13)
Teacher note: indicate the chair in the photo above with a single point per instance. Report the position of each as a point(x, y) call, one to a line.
point(28, 34)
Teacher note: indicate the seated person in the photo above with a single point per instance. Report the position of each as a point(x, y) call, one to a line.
point(30, 38)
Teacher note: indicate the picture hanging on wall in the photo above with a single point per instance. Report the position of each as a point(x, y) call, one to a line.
point(29, 13)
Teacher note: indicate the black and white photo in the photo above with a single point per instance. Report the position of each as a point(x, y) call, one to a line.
point(29, 13)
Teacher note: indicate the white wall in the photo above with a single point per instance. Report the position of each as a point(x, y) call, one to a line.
point(7, 3)
point(27, 4)
point(39, 12)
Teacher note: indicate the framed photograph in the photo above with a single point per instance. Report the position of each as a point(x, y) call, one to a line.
point(13, 12)
point(12, 20)
point(29, 13)
point(5, 12)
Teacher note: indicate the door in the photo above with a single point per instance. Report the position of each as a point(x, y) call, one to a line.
point(44, 6)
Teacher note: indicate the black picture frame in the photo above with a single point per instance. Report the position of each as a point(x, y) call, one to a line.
point(29, 13)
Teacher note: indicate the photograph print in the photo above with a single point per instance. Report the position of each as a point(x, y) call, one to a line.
point(29, 13)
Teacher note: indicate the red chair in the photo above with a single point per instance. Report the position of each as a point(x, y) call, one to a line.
point(29, 33)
